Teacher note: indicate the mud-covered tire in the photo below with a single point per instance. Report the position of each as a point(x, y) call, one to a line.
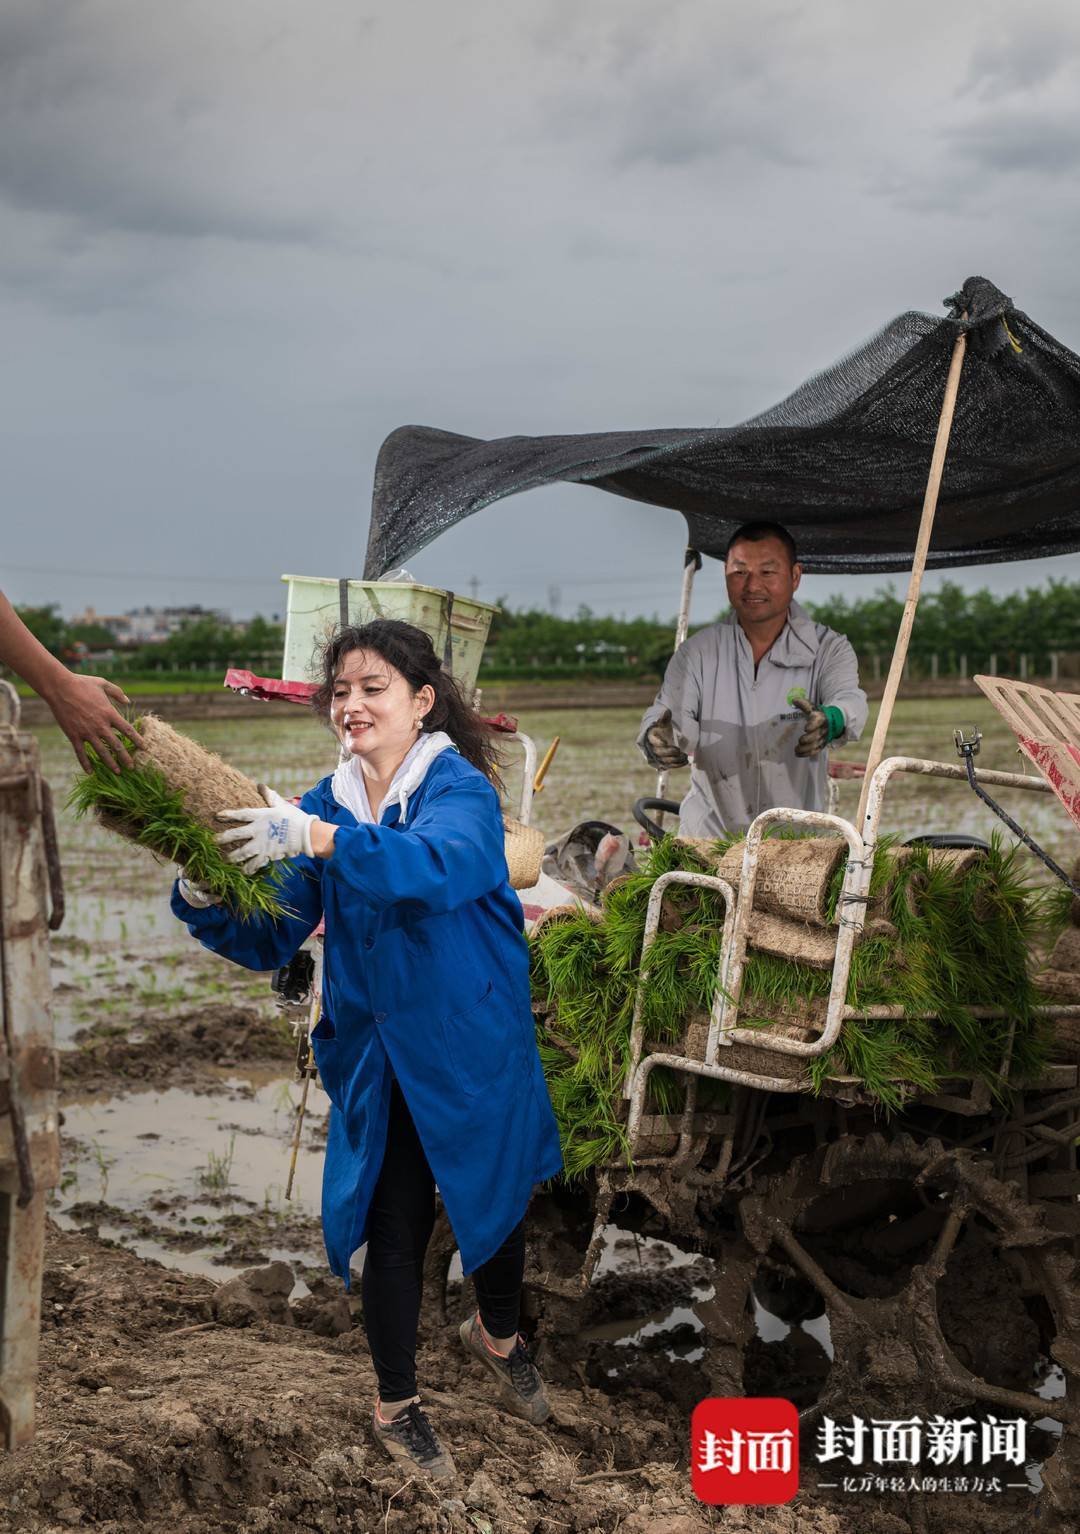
point(941, 1284)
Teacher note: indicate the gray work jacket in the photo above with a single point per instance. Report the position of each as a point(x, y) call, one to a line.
point(740, 731)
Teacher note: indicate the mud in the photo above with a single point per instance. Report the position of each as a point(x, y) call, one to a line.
point(246, 1237)
point(153, 1415)
point(169, 1401)
point(173, 1405)
point(189, 1049)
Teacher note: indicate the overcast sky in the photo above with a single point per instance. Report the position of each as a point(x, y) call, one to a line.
point(242, 240)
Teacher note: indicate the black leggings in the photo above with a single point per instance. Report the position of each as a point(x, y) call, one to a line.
point(399, 1228)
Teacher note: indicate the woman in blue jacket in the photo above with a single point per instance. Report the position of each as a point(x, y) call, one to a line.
point(426, 1045)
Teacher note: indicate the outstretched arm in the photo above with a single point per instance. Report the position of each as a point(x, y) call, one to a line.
point(260, 943)
point(451, 850)
point(669, 727)
point(83, 705)
point(838, 686)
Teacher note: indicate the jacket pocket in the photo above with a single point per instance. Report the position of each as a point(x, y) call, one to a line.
point(482, 1043)
point(324, 1046)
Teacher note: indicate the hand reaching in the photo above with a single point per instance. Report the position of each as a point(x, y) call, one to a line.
point(815, 735)
point(84, 711)
point(660, 747)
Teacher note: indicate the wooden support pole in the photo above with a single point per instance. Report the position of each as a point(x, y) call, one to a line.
point(918, 565)
point(691, 565)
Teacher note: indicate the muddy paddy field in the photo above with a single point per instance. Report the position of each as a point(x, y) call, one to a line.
point(169, 1401)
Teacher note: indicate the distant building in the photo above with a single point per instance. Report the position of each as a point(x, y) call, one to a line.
point(151, 625)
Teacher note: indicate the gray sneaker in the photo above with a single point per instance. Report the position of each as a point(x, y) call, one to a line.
point(520, 1386)
point(410, 1439)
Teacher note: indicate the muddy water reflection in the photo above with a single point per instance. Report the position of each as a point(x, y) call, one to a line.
point(196, 1180)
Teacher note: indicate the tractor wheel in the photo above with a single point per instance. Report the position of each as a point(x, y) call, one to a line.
point(944, 1292)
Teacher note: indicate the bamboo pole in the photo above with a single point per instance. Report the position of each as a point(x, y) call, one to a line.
point(691, 565)
point(309, 1062)
point(918, 565)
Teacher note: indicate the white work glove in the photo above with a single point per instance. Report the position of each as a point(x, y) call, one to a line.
point(196, 895)
point(282, 830)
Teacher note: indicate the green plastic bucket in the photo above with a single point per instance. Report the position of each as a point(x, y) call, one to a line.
point(316, 606)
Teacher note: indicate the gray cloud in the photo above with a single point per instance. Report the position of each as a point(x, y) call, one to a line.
point(1031, 57)
point(241, 243)
point(99, 125)
point(1048, 144)
point(678, 93)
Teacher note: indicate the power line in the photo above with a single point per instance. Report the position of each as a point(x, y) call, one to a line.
point(531, 578)
point(142, 575)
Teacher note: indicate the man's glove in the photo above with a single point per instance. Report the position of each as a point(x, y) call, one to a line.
point(282, 830)
point(196, 895)
point(815, 736)
point(660, 748)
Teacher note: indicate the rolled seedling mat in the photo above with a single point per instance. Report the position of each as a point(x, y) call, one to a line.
point(895, 861)
point(1063, 987)
point(701, 852)
point(556, 914)
point(1066, 954)
point(958, 860)
point(206, 781)
point(794, 940)
point(168, 801)
point(613, 888)
point(794, 875)
point(1059, 985)
point(798, 1017)
point(696, 1038)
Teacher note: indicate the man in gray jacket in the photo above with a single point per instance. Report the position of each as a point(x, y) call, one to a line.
point(752, 702)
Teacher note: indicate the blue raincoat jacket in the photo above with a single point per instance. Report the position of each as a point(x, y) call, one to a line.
point(426, 979)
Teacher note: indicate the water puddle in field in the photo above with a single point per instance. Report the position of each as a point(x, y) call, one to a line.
point(197, 1180)
point(668, 1326)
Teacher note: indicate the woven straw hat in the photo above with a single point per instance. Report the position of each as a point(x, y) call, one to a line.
point(524, 853)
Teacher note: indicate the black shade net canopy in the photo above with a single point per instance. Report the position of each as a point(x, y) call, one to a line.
point(842, 462)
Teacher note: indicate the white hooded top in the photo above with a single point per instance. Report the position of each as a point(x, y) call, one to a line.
point(350, 790)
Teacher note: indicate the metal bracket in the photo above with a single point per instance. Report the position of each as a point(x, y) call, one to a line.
point(967, 749)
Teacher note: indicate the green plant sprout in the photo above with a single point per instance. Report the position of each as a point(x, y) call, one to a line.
point(103, 1166)
point(216, 1174)
point(141, 804)
point(963, 939)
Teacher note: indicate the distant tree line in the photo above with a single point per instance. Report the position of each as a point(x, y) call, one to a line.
point(200, 645)
point(965, 630)
point(956, 632)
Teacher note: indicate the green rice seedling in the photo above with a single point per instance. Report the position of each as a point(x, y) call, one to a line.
point(146, 809)
point(103, 1166)
point(963, 939)
point(216, 1174)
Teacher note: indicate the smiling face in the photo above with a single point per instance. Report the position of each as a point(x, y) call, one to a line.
point(375, 713)
point(761, 580)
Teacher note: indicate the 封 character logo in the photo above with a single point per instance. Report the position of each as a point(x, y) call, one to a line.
point(744, 1451)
